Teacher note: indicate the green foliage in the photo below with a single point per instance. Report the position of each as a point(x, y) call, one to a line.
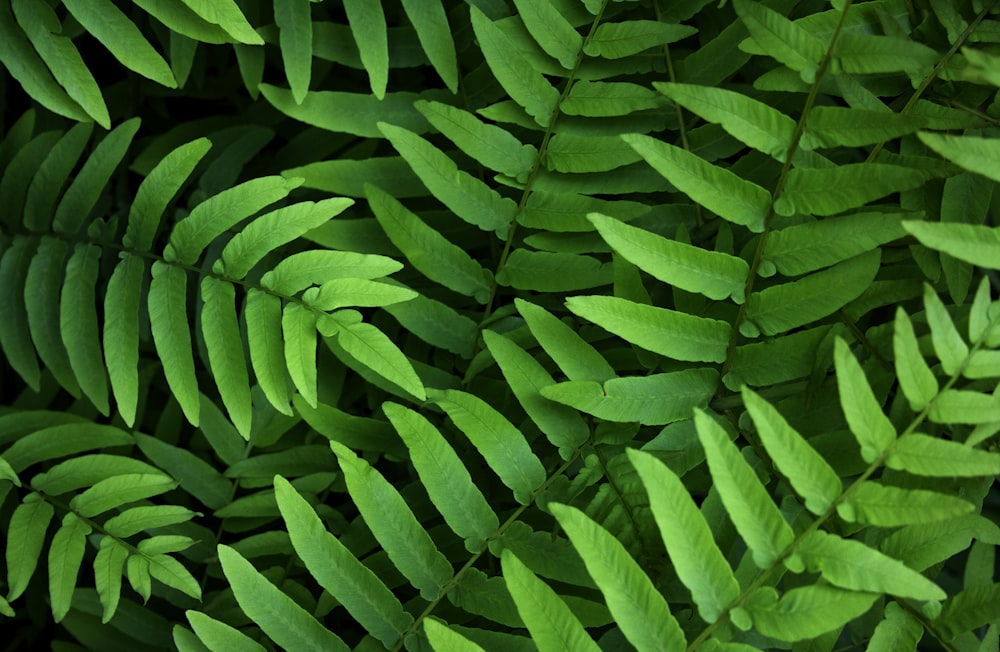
point(490, 325)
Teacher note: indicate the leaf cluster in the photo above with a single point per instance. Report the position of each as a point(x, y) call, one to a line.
point(500, 324)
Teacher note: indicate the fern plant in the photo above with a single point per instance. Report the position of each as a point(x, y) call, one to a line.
point(514, 325)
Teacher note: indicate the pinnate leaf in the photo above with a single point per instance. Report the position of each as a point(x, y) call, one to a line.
point(637, 606)
point(284, 621)
point(338, 571)
point(696, 558)
point(394, 525)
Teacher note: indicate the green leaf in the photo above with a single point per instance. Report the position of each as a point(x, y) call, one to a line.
point(186, 24)
point(218, 636)
point(270, 231)
point(349, 113)
point(750, 121)
point(108, 575)
point(915, 378)
point(810, 246)
point(78, 324)
point(120, 490)
point(670, 333)
point(871, 503)
point(963, 406)
point(714, 274)
point(973, 243)
point(873, 430)
point(357, 432)
point(147, 517)
point(8, 473)
point(899, 631)
point(808, 611)
point(834, 126)
point(526, 377)
point(368, 28)
point(25, 538)
point(172, 573)
point(435, 34)
point(428, 251)
point(285, 622)
point(624, 38)
point(828, 191)
point(782, 39)
point(15, 336)
point(696, 557)
point(214, 216)
point(63, 440)
point(980, 321)
point(81, 471)
point(852, 565)
point(65, 557)
point(394, 525)
point(573, 355)
point(137, 571)
point(106, 22)
point(295, 40)
point(809, 474)
point(53, 173)
point(492, 146)
point(552, 625)
point(656, 399)
point(196, 476)
point(502, 445)
point(750, 507)
point(780, 308)
point(43, 29)
point(338, 571)
point(438, 324)
point(544, 271)
point(172, 335)
point(315, 267)
point(445, 477)
point(609, 99)
point(929, 456)
point(227, 15)
point(225, 351)
point(79, 199)
point(25, 66)
point(298, 327)
point(523, 84)
point(968, 610)
point(444, 639)
point(717, 189)
point(373, 349)
point(550, 29)
point(468, 197)
point(121, 333)
point(974, 153)
point(870, 54)
point(639, 609)
point(951, 349)
point(775, 360)
point(586, 153)
point(41, 298)
point(156, 191)
point(264, 319)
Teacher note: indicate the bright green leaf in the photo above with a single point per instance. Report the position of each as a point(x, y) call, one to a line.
point(285, 622)
point(394, 525)
point(670, 333)
point(696, 557)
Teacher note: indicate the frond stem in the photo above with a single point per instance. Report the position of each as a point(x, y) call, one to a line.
point(936, 70)
point(536, 166)
point(779, 187)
